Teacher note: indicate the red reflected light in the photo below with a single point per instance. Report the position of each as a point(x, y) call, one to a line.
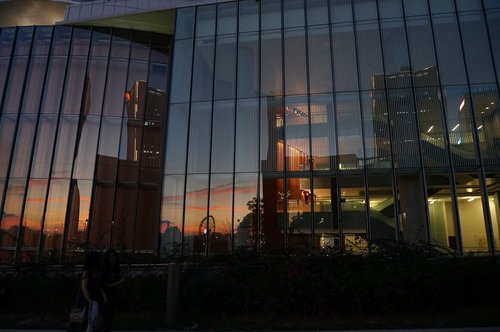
point(128, 96)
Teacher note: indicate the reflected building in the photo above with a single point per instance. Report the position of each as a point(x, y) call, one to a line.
point(166, 128)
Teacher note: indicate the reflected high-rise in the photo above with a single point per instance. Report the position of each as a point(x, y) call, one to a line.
point(161, 128)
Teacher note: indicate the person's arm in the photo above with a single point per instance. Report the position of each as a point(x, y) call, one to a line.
point(103, 294)
point(85, 290)
point(116, 283)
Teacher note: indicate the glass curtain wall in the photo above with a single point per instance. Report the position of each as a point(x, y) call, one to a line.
point(345, 123)
point(82, 130)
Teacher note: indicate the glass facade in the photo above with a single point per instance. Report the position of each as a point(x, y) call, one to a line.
point(272, 126)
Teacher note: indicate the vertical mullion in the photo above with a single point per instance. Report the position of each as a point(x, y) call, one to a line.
point(451, 170)
point(188, 130)
point(139, 159)
point(309, 127)
point(28, 177)
point(111, 233)
point(207, 247)
point(282, 110)
point(94, 179)
point(49, 178)
point(417, 124)
point(482, 178)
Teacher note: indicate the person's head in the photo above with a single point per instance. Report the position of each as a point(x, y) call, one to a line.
point(111, 257)
point(92, 261)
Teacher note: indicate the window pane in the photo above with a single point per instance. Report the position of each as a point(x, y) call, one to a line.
point(203, 68)
point(476, 48)
point(460, 128)
point(124, 216)
point(109, 143)
point(65, 147)
point(390, 8)
point(441, 6)
point(413, 225)
point(326, 228)
point(101, 41)
point(350, 139)
point(271, 63)
point(344, 57)
point(7, 36)
point(248, 65)
point(146, 225)
point(86, 146)
point(171, 215)
point(23, 41)
point(184, 27)
point(382, 216)
point(225, 67)
point(44, 145)
point(221, 209)
point(320, 73)
point(353, 209)
point(55, 215)
point(141, 45)
point(205, 20)
point(223, 137)
point(11, 214)
point(102, 217)
point(247, 136)
point(423, 60)
point(449, 50)
point(120, 44)
point(341, 11)
point(271, 14)
point(181, 71)
point(404, 129)
point(249, 16)
point(397, 64)
point(322, 132)
point(7, 131)
point(4, 67)
point(33, 213)
point(317, 12)
point(493, 19)
point(130, 150)
point(54, 85)
point(79, 204)
point(24, 146)
point(271, 129)
point(33, 90)
point(199, 138)
point(195, 222)
point(299, 216)
point(492, 181)
point(470, 209)
point(61, 39)
point(376, 129)
point(295, 62)
point(441, 220)
point(14, 89)
point(272, 228)
point(293, 13)
point(43, 36)
point(415, 7)
point(115, 87)
point(369, 55)
point(177, 132)
point(94, 87)
point(432, 128)
point(246, 210)
point(80, 41)
point(75, 82)
point(487, 113)
point(365, 9)
point(297, 151)
point(227, 14)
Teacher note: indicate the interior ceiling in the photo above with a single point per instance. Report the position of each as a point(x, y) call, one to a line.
point(161, 21)
point(30, 12)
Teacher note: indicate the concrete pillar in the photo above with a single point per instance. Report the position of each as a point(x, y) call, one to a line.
point(173, 287)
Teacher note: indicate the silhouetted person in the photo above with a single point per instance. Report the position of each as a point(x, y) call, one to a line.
point(111, 279)
point(92, 290)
